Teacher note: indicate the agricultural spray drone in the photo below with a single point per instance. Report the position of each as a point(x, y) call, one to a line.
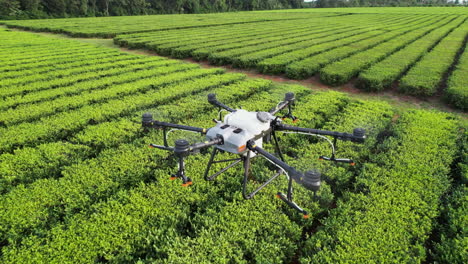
point(243, 133)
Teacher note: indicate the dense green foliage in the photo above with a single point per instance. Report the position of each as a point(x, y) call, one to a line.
point(79, 185)
point(415, 53)
point(24, 9)
point(424, 78)
point(452, 246)
point(392, 209)
point(457, 86)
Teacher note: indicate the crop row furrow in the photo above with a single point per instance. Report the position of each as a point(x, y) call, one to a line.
point(217, 32)
point(277, 64)
point(165, 44)
point(219, 56)
point(195, 33)
point(30, 54)
point(250, 58)
point(233, 42)
point(290, 53)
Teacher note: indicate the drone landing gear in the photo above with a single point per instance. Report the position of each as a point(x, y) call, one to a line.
point(246, 160)
point(246, 164)
point(186, 181)
point(212, 161)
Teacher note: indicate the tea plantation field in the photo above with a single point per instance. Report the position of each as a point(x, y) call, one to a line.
point(78, 183)
point(416, 51)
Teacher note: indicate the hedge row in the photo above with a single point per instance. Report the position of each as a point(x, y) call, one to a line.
point(452, 246)
point(33, 52)
point(85, 61)
point(238, 56)
point(165, 76)
point(309, 66)
point(117, 62)
point(457, 85)
point(342, 71)
point(202, 52)
point(28, 164)
point(127, 75)
point(191, 35)
point(183, 48)
point(56, 59)
point(213, 239)
point(59, 82)
point(221, 47)
point(391, 214)
point(381, 75)
point(425, 77)
point(277, 64)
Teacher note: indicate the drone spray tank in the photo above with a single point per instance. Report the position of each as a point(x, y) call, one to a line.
point(242, 133)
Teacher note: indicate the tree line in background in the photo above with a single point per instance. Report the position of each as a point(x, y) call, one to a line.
point(23, 9)
point(30, 9)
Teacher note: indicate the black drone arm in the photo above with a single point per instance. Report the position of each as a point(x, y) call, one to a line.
point(147, 121)
point(212, 100)
point(310, 180)
point(358, 135)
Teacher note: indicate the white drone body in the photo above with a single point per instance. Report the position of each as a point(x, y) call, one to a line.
point(238, 128)
point(243, 133)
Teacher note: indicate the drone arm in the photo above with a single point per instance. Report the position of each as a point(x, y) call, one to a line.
point(291, 171)
point(148, 121)
point(289, 99)
point(161, 147)
point(310, 180)
point(358, 135)
point(212, 100)
point(206, 144)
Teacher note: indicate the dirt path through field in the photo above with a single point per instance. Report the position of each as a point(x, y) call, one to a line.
point(391, 96)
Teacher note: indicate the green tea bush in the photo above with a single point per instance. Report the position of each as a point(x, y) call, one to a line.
point(392, 212)
point(381, 75)
point(425, 77)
